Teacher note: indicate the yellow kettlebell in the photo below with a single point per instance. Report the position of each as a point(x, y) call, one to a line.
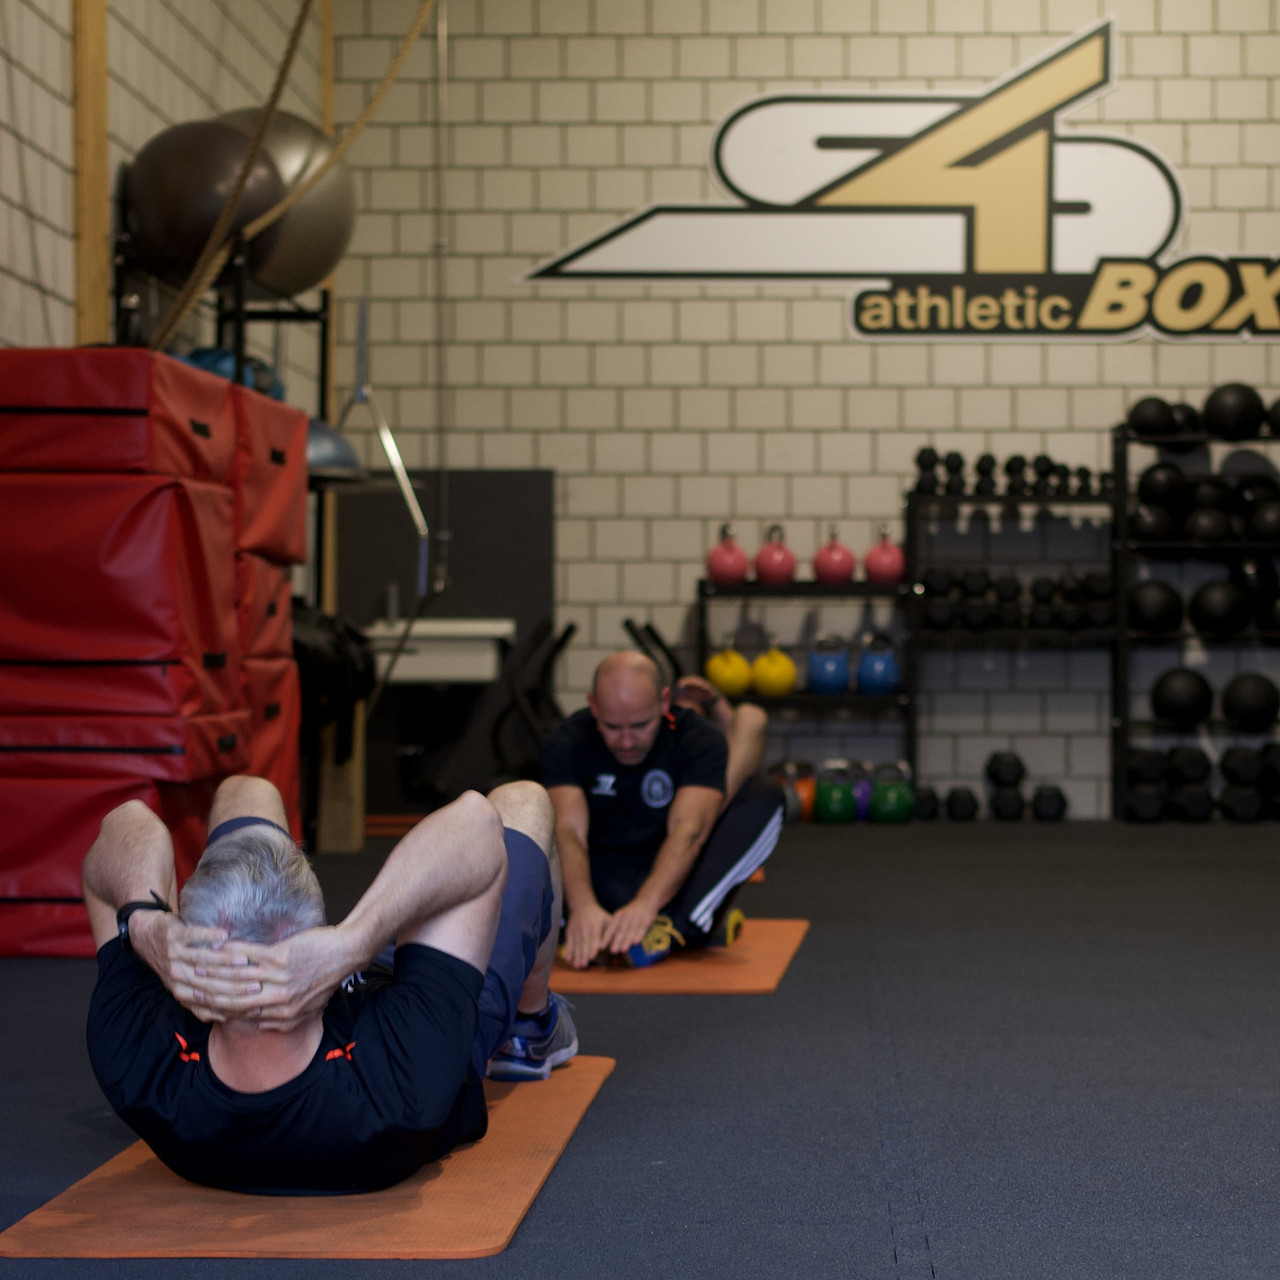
point(773, 674)
point(729, 671)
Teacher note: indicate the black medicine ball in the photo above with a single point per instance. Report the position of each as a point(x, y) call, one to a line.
point(1152, 417)
point(1233, 411)
point(1219, 608)
point(1211, 491)
point(1208, 524)
point(1164, 484)
point(1155, 607)
point(1263, 524)
point(1252, 491)
point(1256, 576)
point(1250, 703)
point(1152, 523)
point(1182, 698)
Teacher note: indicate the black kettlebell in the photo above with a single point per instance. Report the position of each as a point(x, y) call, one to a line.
point(1186, 765)
point(1182, 698)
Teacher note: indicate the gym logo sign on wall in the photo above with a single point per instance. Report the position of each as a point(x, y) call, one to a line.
point(958, 216)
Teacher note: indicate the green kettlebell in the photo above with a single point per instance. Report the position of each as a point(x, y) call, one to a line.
point(892, 795)
point(835, 800)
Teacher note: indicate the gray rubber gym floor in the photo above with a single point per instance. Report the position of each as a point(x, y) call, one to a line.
point(1002, 1051)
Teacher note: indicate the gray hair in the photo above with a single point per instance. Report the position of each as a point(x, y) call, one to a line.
point(256, 884)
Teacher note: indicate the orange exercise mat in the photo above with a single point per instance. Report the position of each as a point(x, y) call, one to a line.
point(754, 965)
point(467, 1205)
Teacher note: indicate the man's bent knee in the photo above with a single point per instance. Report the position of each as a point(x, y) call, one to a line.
point(244, 796)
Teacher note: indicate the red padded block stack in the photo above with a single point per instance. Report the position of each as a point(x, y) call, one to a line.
point(132, 489)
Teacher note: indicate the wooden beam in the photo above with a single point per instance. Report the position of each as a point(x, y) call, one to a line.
point(92, 182)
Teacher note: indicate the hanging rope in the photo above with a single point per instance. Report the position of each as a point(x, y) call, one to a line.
point(218, 248)
point(214, 254)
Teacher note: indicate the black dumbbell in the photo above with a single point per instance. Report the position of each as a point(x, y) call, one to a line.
point(937, 581)
point(977, 613)
point(1084, 482)
point(1006, 804)
point(1144, 766)
point(1186, 765)
point(954, 466)
point(1242, 767)
point(1015, 470)
point(1005, 769)
point(927, 462)
point(1192, 802)
point(1043, 590)
point(927, 805)
point(975, 582)
point(938, 613)
point(962, 804)
point(1144, 803)
point(1241, 804)
point(1048, 804)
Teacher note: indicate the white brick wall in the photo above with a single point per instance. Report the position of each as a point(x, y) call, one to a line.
point(666, 409)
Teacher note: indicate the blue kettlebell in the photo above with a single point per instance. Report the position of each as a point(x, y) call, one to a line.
point(878, 670)
point(828, 666)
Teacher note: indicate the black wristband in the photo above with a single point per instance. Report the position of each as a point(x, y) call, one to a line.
point(154, 903)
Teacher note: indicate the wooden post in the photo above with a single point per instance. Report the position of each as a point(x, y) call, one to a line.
point(92, 184)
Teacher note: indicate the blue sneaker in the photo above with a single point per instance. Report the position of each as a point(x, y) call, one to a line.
point(537, 1043)
point(656, 944)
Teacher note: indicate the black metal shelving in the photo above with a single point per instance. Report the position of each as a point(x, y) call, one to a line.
point(1126, 553)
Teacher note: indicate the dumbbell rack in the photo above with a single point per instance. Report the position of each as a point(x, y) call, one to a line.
point(923, 508)
point(1127, 552)
point(874, 705)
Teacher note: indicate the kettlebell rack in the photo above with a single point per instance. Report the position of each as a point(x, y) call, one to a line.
point(900, 704)
point(1132, 798)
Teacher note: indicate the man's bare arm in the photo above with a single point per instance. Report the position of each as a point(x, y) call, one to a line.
point(693, 813)
point(440, 886)
point(586, 918)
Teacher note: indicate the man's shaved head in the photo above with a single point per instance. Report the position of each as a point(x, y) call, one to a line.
point(628, 701)
point(627, 666)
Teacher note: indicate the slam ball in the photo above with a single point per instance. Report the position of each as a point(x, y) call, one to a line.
point(1164, 484)
point(1182, 698)
point(175, 188)
point(1152, 416)
point(1250, 703)
point(1219, 608)
point(1233, 411)
point(1155, 607)
point(315, 232)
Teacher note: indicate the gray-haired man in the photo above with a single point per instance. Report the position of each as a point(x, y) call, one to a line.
point(253, 1047)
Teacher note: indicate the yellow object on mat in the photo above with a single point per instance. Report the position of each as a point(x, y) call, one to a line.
point(467, 1205)
point(753, 966)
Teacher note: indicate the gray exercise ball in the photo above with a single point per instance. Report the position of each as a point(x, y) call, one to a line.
point(314, 234)
point(175, 188)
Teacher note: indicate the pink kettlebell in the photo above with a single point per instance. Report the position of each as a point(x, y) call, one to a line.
point(834, 563)
point(775, 562)
point(884, 564)
point(727, 563)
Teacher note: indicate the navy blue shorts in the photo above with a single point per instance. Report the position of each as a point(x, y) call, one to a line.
point(235, 824)
point(523, 926)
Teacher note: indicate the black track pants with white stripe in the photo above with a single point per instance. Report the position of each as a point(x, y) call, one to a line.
point(744, 836)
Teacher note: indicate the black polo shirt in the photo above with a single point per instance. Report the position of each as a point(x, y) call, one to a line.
point(628, 804)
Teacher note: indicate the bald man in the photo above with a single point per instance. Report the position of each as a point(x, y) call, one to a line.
point(653, 841)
